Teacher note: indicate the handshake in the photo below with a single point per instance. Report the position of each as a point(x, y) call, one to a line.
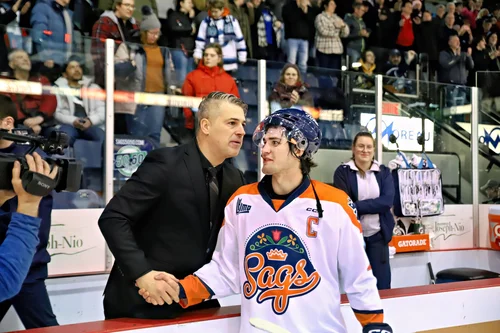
point(158, 288)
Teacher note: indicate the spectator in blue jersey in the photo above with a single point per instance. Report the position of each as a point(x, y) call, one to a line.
point(19, 246)
point(370, 186)
point(32, 303)
point(222, 28)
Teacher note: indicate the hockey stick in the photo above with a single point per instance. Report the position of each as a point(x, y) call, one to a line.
point(266, 326)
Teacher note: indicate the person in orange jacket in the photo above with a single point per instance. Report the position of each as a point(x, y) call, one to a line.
point(208, 77)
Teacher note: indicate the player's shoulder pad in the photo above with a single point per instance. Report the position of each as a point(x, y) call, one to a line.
point(250, 189)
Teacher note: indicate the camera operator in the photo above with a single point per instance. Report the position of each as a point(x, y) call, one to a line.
point(18, 248)
point(32, 303)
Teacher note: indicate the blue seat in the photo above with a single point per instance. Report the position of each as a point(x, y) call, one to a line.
point(82, 199)
point(246, 161)
point(89, 152)
point(273, 75)
point(246, 73)
point(252, 119)
point(327, 82)
point(248, 92)
point(312, 81)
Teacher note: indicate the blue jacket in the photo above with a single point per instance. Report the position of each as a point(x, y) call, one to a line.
point(16, 253)
point(38, 268)
point(49, 33)
point(345, 179)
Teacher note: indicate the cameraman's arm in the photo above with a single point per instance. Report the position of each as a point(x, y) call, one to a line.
point(17, 251)
point(19, 246)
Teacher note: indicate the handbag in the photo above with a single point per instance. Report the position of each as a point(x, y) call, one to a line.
point(418, 189)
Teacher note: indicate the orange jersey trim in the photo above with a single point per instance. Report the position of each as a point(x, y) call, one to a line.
point(329, 193)
point(251, 189)
point(367, 318)
point(277, 204)
point(195, 290)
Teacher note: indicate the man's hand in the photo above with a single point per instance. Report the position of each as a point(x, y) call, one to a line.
point(28, 203)
point(37, 129)
point(33, 121)
point(86, 124)
point(294, 97)
point(15, 7)
point(159, 291)
point(77, 124)
point(26, 7)
point(49, 63)
point(161, 277)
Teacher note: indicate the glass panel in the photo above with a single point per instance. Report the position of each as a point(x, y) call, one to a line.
point(69, 101)
point(444, 112)
point(167, 89)
point(332, 98)
point(488, 131)
point(54, 91)
point(247, 82)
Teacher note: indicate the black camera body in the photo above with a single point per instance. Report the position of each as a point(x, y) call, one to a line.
point(70, 170)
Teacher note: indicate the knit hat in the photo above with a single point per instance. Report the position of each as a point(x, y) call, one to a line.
point(149, 20)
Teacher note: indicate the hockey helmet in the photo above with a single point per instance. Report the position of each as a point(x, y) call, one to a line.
point(300, 129)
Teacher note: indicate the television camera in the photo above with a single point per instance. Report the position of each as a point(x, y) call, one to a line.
point(69, 173)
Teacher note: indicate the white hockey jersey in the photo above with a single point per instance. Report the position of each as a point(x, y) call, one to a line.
point(287, 263)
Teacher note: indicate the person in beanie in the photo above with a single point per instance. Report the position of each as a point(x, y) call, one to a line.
point(154, 75)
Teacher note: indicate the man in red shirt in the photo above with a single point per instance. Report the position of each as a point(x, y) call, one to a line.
point(33, 111)
point(406, 37)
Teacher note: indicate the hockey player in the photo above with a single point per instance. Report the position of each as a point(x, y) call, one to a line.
point(287, 242)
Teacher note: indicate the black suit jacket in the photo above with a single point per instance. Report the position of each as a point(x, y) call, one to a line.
point(159, 220)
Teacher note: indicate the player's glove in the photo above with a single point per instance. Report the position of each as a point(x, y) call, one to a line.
point(377, 328)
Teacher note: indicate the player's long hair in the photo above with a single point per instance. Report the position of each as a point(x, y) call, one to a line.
point(306, 163)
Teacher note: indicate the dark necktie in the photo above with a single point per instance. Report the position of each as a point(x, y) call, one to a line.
point(213, 189)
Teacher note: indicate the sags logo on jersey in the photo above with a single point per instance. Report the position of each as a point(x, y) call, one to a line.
point(278, 267)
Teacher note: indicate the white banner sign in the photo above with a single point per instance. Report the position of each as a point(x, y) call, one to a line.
point(76, 244)
point(488, 135)
point(405, 129)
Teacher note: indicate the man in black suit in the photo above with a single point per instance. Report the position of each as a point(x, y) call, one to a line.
point(167, 216)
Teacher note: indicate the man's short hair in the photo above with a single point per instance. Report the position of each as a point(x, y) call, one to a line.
point(216, 4)
point(115, 4)
point(213, 99)
point(7, 108)
point(10, 57)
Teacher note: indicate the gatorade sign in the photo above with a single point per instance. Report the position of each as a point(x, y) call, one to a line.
point(411, 243)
